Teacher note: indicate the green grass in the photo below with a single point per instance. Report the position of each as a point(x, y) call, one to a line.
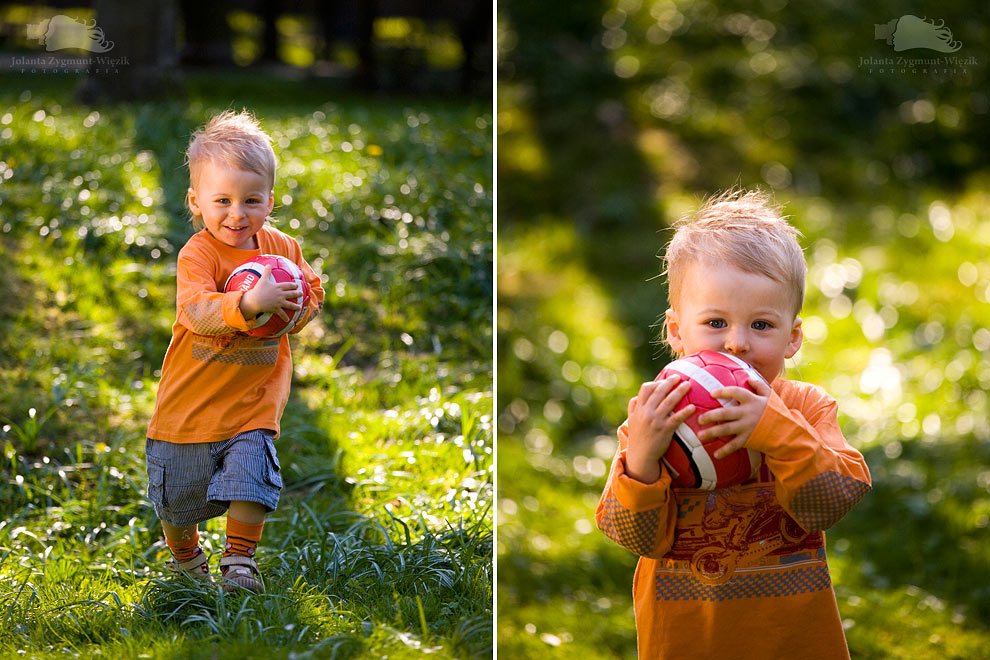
point(382, 543)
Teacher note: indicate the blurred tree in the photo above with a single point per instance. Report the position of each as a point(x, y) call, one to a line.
point(146, 35)
point(270, 11)
point(353, 22)
point(207, 34)
point(560, 99)
point(143, 61)
point(474, 27)
point(594, 170)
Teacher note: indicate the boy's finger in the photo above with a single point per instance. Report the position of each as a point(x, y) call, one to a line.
point(682, 415)
point(720, 414)
point(652, 393)
point(646, 389)
point(760, 386)
point(673, 397)
point(718, 431)
point(631, 408)
point(733, 445)
point(733, 392)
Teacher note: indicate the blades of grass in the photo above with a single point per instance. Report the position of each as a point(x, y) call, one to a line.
point(422, 618)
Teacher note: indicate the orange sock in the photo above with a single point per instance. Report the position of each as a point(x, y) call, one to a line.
point(184, 549)
point(242, 538)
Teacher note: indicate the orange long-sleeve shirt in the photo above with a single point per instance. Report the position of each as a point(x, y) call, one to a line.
point(217, 382)
point(741, 572)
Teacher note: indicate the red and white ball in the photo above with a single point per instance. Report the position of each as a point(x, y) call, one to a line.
point(691, 462)
point(248, 274)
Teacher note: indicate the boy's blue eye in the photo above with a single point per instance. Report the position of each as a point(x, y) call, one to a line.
point(716, 323)
point(761, 325)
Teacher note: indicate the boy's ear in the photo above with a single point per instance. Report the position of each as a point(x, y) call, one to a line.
point(673, 332)
point(796, 338)
point(192, 202)
point(271, 202)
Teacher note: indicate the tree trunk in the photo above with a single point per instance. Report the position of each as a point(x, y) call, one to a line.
point(142, 63)
point(207, 35)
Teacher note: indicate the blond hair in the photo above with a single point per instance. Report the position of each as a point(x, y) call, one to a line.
point(234, 139)
point(745, 229)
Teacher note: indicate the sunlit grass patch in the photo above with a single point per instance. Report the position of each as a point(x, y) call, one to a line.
point(559, 627)
point(906, 622)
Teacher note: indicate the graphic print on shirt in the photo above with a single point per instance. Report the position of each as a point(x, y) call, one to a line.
point(239, 349)
point(736, 543)
point(736, 528)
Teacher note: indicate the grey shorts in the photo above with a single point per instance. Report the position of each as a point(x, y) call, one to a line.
point(190, 483)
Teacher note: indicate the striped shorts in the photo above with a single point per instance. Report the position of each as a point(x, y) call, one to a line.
point(190, 483)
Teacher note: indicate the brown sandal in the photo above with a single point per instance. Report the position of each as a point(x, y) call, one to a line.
point(241, 572)
point(197, 568)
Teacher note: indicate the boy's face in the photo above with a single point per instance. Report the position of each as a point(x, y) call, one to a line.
point(747, 315)
point(233, 203)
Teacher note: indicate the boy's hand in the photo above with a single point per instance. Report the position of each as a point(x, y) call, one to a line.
point(652, 425)
point(737, 420)
point(270, 297)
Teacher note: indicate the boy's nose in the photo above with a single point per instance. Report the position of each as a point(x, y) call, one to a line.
point(736, 343)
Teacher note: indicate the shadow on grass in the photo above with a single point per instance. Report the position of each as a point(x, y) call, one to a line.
point(594, 173)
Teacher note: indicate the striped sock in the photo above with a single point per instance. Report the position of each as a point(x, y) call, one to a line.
point(242, 538)
point(184, 549)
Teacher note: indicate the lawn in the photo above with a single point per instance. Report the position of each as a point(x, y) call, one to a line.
point(382, 544)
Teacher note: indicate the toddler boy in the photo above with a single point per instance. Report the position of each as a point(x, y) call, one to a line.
point(210, 446)
point(738, 572)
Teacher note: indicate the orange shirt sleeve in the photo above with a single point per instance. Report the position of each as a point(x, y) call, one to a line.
point(818, 476)
point(639, 517)
point(202, 308)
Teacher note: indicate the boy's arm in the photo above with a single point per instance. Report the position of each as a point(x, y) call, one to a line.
point(316, 292)
point(201, 308)
point(818, 476)
point(639, 517)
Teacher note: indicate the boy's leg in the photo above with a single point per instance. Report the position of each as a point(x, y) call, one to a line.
point(178, 478)
point(182, 541)
point(248, 482)
point(245, 521)
point(249, 512)
point(188, 557)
